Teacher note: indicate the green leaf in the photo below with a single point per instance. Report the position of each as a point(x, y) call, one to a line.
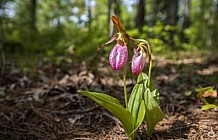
point(152, 86)
point(202, 89)
point(188, 93)
point(141, 114)
point(142, 78)
point(208, 100)
point(135, 101)
point(140, 118)
point(153, 113)
point(156, 95)
point(208, 106)
point(113, 105)
point(136, 105)
point(136, 96)
point(132, 97)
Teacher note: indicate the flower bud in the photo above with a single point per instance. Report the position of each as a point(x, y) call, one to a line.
point(138, 61)
point(118, 56)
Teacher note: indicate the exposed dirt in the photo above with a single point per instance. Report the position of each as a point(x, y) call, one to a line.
point(47, 105)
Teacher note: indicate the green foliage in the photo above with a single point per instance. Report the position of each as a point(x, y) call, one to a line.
point(113, 105)
point(207, 94)
point(142, 105)
point(153, 113)
point(141, 93)
point(135, 100)
point(208, 106)
point(188, 93)
point(64, 24)
point(59, 26)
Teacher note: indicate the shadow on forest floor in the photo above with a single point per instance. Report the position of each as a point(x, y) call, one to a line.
point(47, 105)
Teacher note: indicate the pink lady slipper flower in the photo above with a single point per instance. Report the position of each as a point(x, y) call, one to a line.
point(138, 60)
point(118, 56)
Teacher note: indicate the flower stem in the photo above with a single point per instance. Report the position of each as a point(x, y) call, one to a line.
point(124, 86)
point(149, 72)
point(150, 64)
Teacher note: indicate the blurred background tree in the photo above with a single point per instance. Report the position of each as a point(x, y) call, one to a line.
point(76, 28)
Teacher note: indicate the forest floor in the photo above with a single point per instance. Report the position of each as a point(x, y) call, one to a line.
point(47, 105)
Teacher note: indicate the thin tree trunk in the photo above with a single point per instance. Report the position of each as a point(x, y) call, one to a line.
point(89, 14)
point(140, 14)
point(154, 12)
point(216, 26)
point(186, 23)
point(2, 61)
point(33, 14)
point(171, 7)
point(187, 12)
point(172, 10)
point(210, 41)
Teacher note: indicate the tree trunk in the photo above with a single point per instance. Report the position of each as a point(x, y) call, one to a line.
point(171, 10)
point(33, 15)
point(89, 14)
point(187, 12)
point(216, 26)
point(2, 62)
point(154, 12)
point(113, 9)
point(140, 14)
point(211, 35)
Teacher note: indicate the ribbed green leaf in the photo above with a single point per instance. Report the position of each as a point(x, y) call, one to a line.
point(142, 78)
point(132, 97)
point(136, 96)
point(113, 105)
point(136, 104)
point(141, 113)
point(208, 106)
point(156, 95)
point(140, 118)
point(153, 113)
point(135, 101)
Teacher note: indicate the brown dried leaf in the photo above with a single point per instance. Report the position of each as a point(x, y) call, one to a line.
point(212, 94)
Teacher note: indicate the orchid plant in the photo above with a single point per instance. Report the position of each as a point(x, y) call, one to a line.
point(143, 100)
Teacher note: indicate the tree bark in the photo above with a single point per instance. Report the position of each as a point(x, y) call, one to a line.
point(187, 12)
point(140, 14)
point(89, 14)
point(2, 61)
point(33, 14)
point(216, 25)
point(154, 12)
point(171, 11)
point(211, 35)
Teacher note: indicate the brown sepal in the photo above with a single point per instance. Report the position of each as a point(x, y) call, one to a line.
point(110, 41)
point(118, 24)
